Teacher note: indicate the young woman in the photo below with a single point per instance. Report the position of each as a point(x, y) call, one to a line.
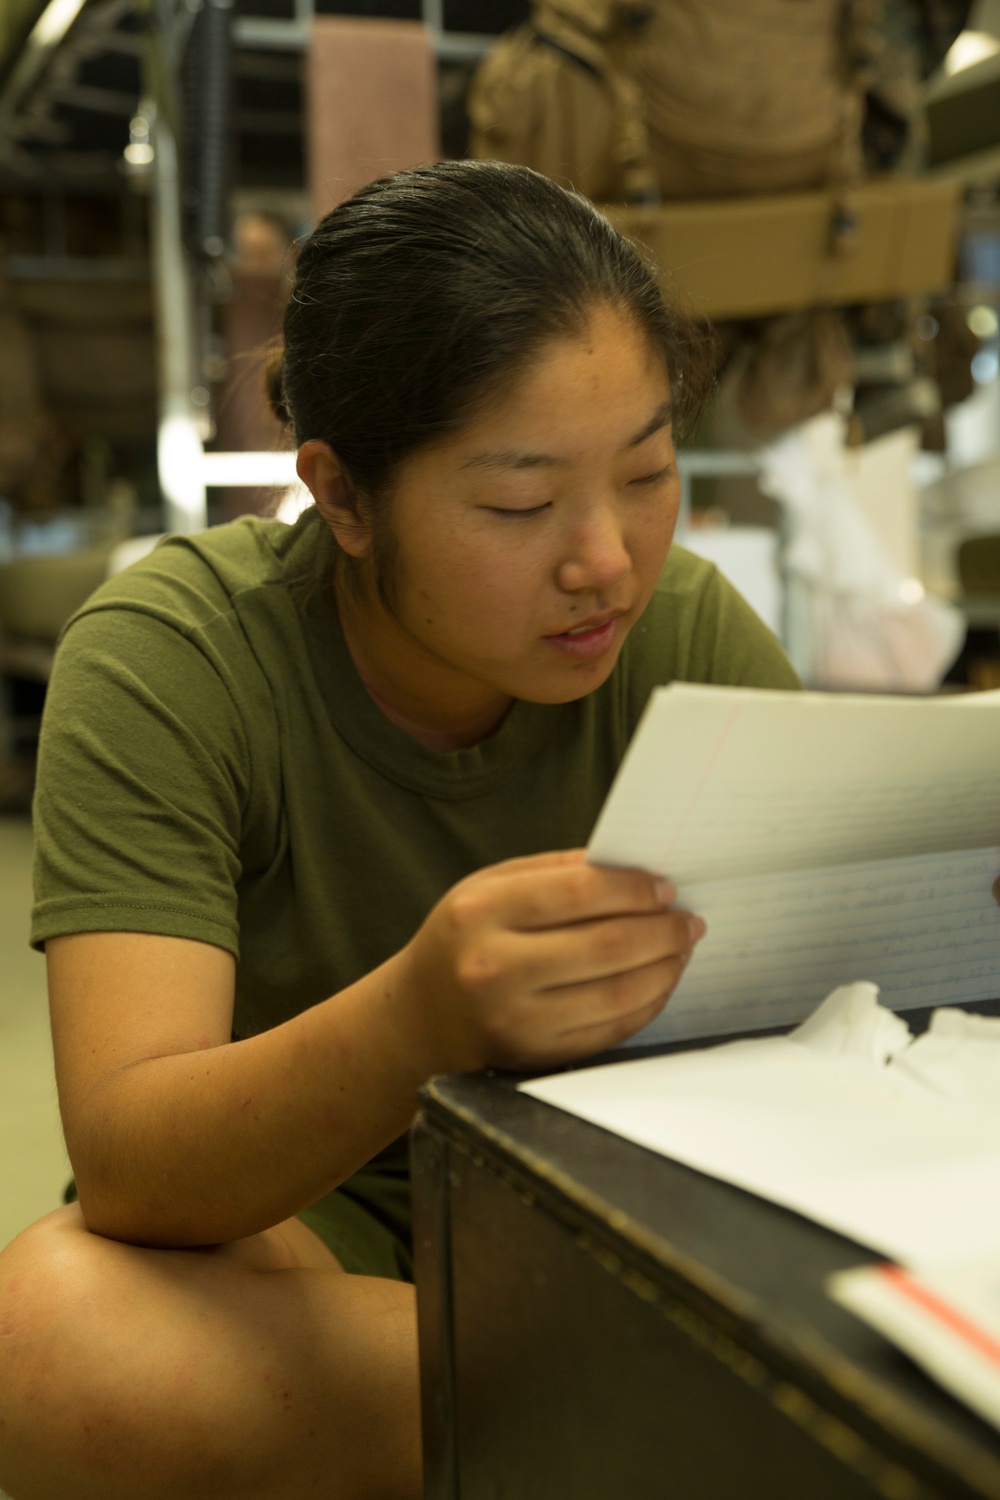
point(310, 816)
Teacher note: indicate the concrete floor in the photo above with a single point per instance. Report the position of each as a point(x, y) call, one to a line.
point(33, 1165)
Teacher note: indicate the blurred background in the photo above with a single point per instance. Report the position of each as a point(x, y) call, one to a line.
point(819, 184)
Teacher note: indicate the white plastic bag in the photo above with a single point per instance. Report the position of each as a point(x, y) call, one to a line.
point(864, 630)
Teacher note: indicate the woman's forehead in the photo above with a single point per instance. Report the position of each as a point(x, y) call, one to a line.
point(608, 381)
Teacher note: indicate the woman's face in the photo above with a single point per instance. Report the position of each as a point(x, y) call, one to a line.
point(526, 545)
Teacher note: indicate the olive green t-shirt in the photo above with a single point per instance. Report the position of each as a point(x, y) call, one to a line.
point(211, 767)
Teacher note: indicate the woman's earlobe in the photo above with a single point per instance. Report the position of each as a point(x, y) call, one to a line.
point(323, 474)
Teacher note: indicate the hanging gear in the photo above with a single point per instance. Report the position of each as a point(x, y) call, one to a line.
point(752, 96)
point(551, 96)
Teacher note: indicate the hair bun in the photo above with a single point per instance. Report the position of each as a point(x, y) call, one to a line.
point(274, 383)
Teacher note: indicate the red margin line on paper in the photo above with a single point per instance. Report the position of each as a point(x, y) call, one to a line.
point(958, 1324)
point(724, 734)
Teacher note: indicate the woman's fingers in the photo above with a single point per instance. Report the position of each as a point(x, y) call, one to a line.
point(538, 896)
point(578, 1007)
point(552, 859)
point(525, 959)
point(598, 1036)
point(614, 947)
point(604, 949)
point(561, 1024)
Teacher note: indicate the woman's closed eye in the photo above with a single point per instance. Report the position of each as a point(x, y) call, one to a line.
point(642, 481)
point(506, 510)
point(659, 477)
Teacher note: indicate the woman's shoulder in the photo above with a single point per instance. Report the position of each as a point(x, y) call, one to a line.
point(685, 577)
point(690, 594)
point(698, 628)
point(189, 581)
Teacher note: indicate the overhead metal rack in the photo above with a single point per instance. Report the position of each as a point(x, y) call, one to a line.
point(44, 92)
point(293, 35)
point(37, 144)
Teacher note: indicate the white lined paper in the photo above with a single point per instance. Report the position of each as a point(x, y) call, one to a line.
point(925, 930)
point(824, 840)
point(726, 782)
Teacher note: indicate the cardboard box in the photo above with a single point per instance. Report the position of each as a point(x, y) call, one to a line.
point(749, 257)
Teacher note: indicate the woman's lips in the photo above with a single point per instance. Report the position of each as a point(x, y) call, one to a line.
point(587, 645)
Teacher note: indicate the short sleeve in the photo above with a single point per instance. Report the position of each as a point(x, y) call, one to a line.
point(698, 628)
point(143, 779)
point(731, 645)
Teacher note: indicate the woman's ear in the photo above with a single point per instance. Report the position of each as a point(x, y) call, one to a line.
point(323, 474)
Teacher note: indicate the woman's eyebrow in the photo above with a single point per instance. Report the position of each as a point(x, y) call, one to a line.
point(513, 459)
point(510, 459)
point(662, 417)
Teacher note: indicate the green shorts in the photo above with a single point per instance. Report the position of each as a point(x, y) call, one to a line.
point(366, 1223)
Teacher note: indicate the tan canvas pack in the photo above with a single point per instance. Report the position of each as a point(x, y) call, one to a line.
point(551, 96)
point(699, 100)
point(752, 96)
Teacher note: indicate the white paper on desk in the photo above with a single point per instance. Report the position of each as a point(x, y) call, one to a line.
point(946, 1318)
point(820, 837)
point(906, 1165)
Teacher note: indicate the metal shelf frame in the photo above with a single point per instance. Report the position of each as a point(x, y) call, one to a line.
point(293, 35)
point(693, 463)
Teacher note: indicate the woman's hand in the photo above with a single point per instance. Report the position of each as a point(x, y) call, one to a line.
point(542, 960)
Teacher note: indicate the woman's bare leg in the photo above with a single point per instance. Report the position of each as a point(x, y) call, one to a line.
point(253, 1370)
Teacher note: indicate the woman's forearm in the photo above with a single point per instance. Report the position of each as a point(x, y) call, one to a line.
point(525, 964)
point(208, 1146)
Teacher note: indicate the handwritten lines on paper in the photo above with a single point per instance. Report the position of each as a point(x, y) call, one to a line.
point(925, 929)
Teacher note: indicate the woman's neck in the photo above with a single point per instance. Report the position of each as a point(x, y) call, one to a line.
point(415, 690)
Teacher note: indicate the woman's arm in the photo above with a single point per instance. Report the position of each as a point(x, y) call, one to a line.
point(179, 1136)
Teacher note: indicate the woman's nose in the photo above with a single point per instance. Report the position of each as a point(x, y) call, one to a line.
point(596, 556)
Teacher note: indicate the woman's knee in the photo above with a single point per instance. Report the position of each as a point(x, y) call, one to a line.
point(48, 1296)
point(40, 1274)
point(205, 1373)
point(81, 1381)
